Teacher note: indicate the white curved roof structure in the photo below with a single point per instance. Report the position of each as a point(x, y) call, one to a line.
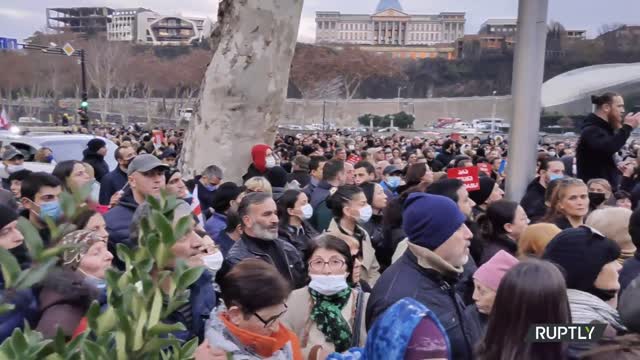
point(581, 83)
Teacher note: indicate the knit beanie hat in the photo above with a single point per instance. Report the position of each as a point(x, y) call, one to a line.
point(223, 196)
point(486, 188)
point(259, 156)
point(430, 220)
point(96, 144)
point(7, 216)
point(80, 242)
point(277, 177)
point(491, 273)
point(582, 252)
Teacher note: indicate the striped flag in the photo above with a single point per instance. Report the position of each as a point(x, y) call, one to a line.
point(195, 206)
point(4, 119)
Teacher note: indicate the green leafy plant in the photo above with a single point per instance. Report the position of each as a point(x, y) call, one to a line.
point(401, 120)
point(131, 326)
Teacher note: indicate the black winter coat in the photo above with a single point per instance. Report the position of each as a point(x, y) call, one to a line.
point(405, 278)
point(300, 240)
point(630, 270)
point(493, 246)
point(301, 176)
point(597, 145)
point(100, 167)
point(533, 201)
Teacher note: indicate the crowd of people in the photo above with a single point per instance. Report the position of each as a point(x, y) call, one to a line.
point(347, 246)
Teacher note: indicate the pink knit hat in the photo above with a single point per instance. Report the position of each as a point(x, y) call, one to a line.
point(490, 273)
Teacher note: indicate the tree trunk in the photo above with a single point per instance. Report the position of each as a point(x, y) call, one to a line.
point(245, 84)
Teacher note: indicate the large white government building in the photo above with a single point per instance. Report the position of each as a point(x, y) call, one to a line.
point(389, 25)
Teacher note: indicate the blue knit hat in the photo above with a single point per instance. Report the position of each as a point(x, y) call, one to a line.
point(430, 220)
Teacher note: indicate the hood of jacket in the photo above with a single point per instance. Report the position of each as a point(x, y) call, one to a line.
point(594, 120)
point(66, 286)
point(88, 154)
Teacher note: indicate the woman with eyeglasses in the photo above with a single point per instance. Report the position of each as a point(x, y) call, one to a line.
point(328, 314)
point(254, 294)
point(568, 203)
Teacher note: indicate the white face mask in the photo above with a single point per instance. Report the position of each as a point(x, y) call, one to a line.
point(213, 261)
point(14, 168)
point(94, 196)
point(307, 212)
point(328, 284)
point(271, 162)
point(365, 214)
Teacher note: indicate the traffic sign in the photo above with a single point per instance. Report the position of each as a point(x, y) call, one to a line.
point(68, 49)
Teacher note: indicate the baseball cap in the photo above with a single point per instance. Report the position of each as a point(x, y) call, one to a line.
point(391, 169)
point(145, 162)
point(11, 153)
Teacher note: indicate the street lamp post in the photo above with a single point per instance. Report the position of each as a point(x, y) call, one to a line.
point(371, 117)
point(324, 109)
point(493, 114)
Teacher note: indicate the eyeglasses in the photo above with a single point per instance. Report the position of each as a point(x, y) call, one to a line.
point(335, 264)
point(270, 321)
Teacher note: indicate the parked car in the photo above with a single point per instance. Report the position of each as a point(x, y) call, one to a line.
point(27, 119)
point(64, 146)
point(389, 129)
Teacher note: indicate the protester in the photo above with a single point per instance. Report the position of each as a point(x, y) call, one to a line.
point(146, 178)
point(364, 172)
point(532, 292)
point(300, 173)
point(623, 199)
point(204, 188)
point(589, 264)
point(68, 291)
point(15, 181)
point(568, 204)
point(294, 211)
point(231, 233)
point(259, 216)
point(254, 293)
point(262, 160)
point(43, 155)
point(534, 240)
point(417, 174)
point(604, 133)
point(176, 186)
point(489, 192)
point(93, 221)
point(391, 180)
point(449, 152)
point(73, 176)
point(24, 301)
point(631, 267)
point(40, 199)
point(94, 155)
point(258, 184)
point(613, 223)
point(322, 314)
point(501, 227)
point(332, 176)
point(599, 193)
point(549, 169)
point(350, 209)
point(377, 199)
point(13, 161)
point(486, 282)
point(225, 200)
point(316, 168)
point(117, 179)
point(439, 242)
point(277, 177)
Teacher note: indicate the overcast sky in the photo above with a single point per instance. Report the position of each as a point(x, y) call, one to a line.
point(20, 18)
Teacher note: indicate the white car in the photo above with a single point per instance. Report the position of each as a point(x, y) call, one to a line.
point(27, 119)
point(64, 146)
point(389, 129)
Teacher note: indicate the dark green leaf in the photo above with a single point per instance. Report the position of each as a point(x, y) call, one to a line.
point(19, 343)
point(189, 277)
point(189, 348)
point(124, 253)
point(164, 329)
point(10, 267)
point(68, 205)
point(32, 238)
point(183, 226)
point(32, 276)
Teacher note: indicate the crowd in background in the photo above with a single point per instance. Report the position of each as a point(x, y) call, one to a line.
point(348, 246)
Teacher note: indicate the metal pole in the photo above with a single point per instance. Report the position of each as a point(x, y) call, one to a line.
point(528, 71)
point(324, 109)
point(84, 76)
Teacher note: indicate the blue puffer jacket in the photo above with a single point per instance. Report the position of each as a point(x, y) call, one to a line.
point(26, 308)
point(216, 224)
point(391, 335)
point(203, 299)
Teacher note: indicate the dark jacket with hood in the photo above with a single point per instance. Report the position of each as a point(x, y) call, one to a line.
point(100, 166)
point(630, 270)
point(25, 309)
point(321, 213)
point(111, 183)
point(118, 221)
point(406, 278)
point(299, 238)
point(533, 201)
point(598, 144)
point(301, 176)
point(203, 299)
point(64, 299)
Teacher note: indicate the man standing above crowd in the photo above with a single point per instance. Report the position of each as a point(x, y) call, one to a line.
point(603, 134)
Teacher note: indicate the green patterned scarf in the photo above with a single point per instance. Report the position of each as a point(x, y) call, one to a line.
point(327, 314)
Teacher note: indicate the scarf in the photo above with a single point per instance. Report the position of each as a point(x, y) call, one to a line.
point(327, 314)
point(586, 308)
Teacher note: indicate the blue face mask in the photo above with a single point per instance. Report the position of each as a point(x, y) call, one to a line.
point(49, 158)
point(211, 187)
point(51, 210)
point(393, 182)
point(99, 284)
point(555, 177)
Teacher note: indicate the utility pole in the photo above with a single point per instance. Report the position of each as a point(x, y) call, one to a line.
point(528, 71)
point(324, 110)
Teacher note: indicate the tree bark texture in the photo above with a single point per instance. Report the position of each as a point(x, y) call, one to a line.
point(245, 85)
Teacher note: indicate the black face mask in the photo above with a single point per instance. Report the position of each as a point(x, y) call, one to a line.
point(596, 199)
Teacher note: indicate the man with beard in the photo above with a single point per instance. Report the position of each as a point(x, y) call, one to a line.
point(259, 217)
point(603, 134)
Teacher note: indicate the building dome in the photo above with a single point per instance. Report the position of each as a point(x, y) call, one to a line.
point(388, 4)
